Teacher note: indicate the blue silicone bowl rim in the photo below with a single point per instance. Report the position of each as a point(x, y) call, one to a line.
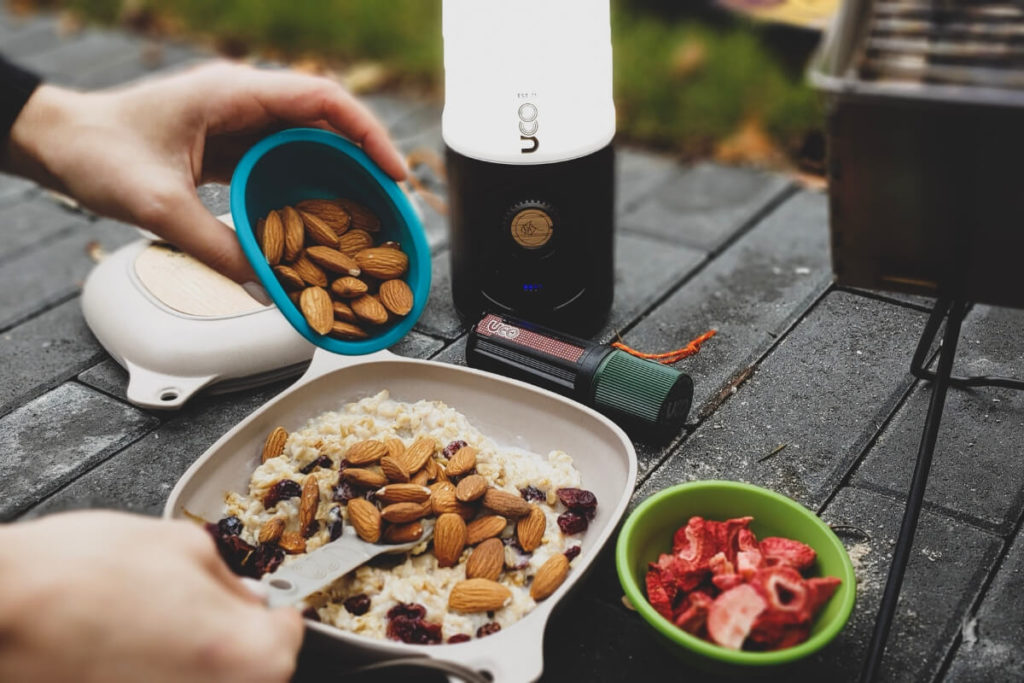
point(420, 284)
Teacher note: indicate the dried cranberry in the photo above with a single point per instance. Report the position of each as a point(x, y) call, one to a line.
point(532, 493)
point(233, 550)
point(579, 500)
point(407, 609)
point(572, 552)
point(230, 526)
point(459, 638)
point(312, 529)
point(323, 461)
point(311, 614)
point(344, 492)
point(358, 604)
point(266, 559)
point(572, 522)
point(453, 448)
point(414, 631)
point(488, 629)
point(282, 490)
point(335, 524)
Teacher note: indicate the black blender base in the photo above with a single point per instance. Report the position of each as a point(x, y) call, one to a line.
point(534, 240)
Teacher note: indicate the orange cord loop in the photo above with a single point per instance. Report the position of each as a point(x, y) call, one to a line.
point(669, 357)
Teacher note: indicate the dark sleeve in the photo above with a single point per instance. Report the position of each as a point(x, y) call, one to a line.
point(16, 86)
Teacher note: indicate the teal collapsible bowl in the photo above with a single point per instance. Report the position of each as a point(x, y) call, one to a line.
point(308, 163)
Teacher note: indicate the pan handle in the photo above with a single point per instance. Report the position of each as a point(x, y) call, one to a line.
point(459, 671)
point(324, 362)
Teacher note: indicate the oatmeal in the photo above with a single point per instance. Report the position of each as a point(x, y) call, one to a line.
point(507, 522)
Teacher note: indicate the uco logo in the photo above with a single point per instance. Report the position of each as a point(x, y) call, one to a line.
point(500, 329)
point(528, 128)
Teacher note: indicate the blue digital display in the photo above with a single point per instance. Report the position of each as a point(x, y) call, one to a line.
point(532, 287)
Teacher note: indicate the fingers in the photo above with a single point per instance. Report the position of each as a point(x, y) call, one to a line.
point(303, 100)
point(182, 220)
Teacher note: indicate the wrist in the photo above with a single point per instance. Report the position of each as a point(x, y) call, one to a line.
point(30, 146)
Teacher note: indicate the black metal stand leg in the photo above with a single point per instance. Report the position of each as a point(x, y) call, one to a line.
point(915, 498)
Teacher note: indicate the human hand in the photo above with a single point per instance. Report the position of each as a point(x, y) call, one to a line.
point(110, 597)
point(137, 154)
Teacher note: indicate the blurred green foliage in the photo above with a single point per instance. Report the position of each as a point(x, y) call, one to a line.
point(685, 79)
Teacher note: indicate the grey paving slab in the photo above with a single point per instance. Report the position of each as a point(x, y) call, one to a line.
point(151, 60)
point(978, 467)
point(390, 108)
point(416, 345)
point(30, 35)
point(948, 564)
point(454, 353)
point(43, 352)
point(824, 392)
point(108, 377)
point(635, 291)
point(31, 220)
point(41, 277)
point(638, 173)
point(140, 477)
point(82, 52)
point(216, 197)
point(990, 648)
point(705, 205)
point(53, 439)
point(13, 187)
point(750, 293)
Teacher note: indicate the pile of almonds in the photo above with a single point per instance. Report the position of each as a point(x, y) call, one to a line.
point(324, 253)
point(391, 488)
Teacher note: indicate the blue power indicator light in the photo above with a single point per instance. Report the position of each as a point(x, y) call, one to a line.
point(532, 287)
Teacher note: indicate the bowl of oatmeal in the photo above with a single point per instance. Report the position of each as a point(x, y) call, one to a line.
point(521, 488)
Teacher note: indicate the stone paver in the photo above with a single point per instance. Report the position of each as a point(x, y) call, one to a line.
point(991, 639)
point(862, 347)
point(31, 220)
point(43, 352)
point(53, 439)
point(704, 206)
point(977, 469)
point(638, 173)
point(29, 36)
point(84, 52)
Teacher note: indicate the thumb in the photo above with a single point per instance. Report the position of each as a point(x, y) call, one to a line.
point(189, 225)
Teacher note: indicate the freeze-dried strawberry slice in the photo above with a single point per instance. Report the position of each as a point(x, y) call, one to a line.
point(785, 590)
point(732, 615)
point(693, 618)
point(723, 535)
point(691, 542)
point(787, 551)
point(661, 589)
point(724, 582)
point(748, 554)
point(819, 590)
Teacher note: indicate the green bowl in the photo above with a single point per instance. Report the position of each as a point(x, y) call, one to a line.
point(648, 532)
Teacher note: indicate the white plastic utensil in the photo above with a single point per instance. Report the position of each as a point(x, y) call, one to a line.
point(317, 570)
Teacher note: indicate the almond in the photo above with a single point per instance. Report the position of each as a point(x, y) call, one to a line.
point(417, 454)
point(478, 595)
point(442, 500)
point(505, 503)
point(367, 307)
point(403, 493)
point(549, 577)
point(403, 533)
point(365, 452)
point(273, 238)
point(364, 518)
point(309, 502)
point(349, 287)
point(333, 260)
point(486, 527)
point(393, 469)
point(487, 560)
point(292, 543)
point(329, 212)
point(343, 312)
point(344, 330)
point(362, 217)
point(449, 539)
point(315, 304)
point(318, 230)
point(288, 278)
point(401, 513)
point(383, 263)
point(396, 448)
point(420, 478)
point(471, 488)
point(309, 271)
point(530, 529)
point(363, 477)
point(462, 462)
point(274, 445)
point(396, 296)
point(271, 530)
point(354, 241)
point(294, 233)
